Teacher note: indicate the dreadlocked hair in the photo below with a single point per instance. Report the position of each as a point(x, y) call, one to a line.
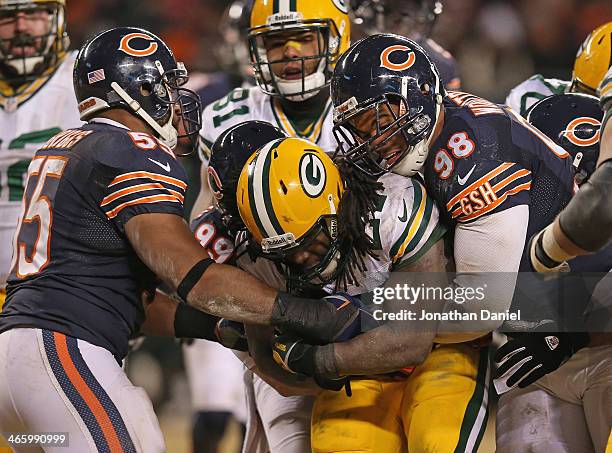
point(356, 209)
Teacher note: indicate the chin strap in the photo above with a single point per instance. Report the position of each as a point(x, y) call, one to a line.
point(167, 132)
point(414, 160)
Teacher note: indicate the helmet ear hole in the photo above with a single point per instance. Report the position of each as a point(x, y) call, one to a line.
point(146, 89)
point(283, 187)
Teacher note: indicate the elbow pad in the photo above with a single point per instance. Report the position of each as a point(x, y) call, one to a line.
point(587, 219)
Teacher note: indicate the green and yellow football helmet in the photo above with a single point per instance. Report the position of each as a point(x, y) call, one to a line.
point(328, 18)
point(50, 46)
point(592, 60)
point(288, 194)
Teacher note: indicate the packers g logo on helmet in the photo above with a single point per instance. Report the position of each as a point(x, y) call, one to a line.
point(341, 5)
point(312, 175)
point(287, 192)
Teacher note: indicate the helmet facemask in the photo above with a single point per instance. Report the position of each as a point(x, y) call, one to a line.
point(391, 116)
point(49, 46)
point(309, 83)
point(578, 87)
point(318, 275)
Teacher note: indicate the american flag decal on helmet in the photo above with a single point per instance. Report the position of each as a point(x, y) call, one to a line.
point(96, 76)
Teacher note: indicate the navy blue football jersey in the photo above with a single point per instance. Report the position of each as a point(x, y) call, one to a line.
point(74, 271)
point(214, 236)
point(488, 159)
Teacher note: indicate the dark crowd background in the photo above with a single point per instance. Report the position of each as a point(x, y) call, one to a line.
point(497, 43)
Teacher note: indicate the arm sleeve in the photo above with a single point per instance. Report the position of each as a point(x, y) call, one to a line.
point(587, 219)
point(488, 254)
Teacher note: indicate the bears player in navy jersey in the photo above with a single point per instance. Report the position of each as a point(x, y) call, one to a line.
point(101, 220)
point(585, 226)
point(496, 178)
point(572, 121)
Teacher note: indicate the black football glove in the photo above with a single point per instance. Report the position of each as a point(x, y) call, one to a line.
point(298, 357)
point(527, 358)
point(231, 334)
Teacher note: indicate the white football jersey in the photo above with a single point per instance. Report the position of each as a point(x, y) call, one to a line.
point(535, 88)
point(246, 104)
point(406, 225)
point(27, 120)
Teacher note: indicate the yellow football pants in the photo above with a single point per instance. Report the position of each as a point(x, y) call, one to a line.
point(2, 297)
point(440, 408)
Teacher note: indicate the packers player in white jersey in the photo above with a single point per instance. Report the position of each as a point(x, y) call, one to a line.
point(36, 99)
point(327, 230)
point(592, 61)
point(293, 48)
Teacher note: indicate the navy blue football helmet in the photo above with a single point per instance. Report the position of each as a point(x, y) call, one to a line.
point(573, 121)
point(132, 69)
point(229, 153)
point(388, 85)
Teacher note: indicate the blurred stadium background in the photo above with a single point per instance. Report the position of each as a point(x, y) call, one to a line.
point(496, 43)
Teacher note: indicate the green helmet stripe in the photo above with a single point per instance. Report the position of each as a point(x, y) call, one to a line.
point(252, 198)
point(284, 6)
point(259, 192)
point(266, 190)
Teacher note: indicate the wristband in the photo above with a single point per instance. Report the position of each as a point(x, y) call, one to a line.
point(551, 247)
point(192, 277)
point(189, 322)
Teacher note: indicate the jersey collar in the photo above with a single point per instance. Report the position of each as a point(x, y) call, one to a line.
point(108, 121)
point(312, 133)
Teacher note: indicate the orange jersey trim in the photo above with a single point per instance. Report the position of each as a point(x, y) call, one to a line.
point(496, 203)
point(144, 200)
point(493, 173)
point(146, 174)
point(139, 188)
